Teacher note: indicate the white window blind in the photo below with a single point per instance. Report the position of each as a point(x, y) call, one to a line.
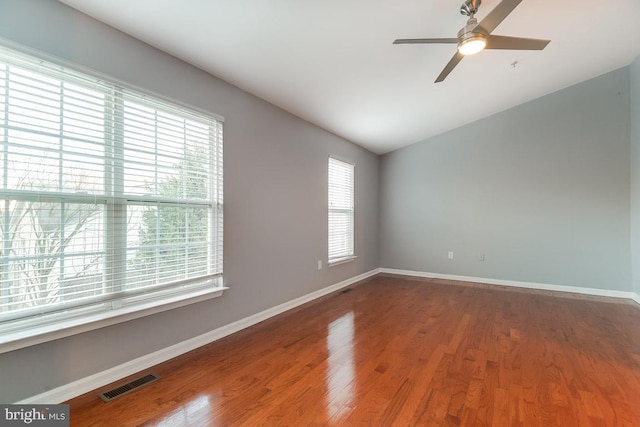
point(107, 196)
point(341, 187)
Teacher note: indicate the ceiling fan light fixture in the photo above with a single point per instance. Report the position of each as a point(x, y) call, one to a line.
point(472, 45)
point(476, 36)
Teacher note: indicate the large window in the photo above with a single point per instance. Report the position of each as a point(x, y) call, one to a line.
point(108, 198)
point(341, 179)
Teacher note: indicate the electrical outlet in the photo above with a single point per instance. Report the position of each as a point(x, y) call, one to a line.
point(319, 264)
point(481, 256)
point(450, 254)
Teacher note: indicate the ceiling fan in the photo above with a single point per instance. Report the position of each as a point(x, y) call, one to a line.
point(474, 36)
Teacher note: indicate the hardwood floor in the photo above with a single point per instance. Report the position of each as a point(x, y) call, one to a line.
point(400, 352)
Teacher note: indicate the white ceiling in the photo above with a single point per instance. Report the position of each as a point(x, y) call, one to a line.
point(333, 63)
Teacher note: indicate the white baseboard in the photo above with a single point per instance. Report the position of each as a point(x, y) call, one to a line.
point(513, 283)
point(100, 379)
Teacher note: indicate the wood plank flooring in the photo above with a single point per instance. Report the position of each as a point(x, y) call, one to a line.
point(395, 351)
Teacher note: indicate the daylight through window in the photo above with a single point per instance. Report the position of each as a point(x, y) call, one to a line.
point(341, 180)
point(107, 196)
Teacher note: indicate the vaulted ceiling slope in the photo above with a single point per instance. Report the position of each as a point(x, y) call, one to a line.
point(333, 63)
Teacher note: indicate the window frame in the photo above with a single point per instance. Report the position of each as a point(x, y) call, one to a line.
point(21, 332)
point(337, 194)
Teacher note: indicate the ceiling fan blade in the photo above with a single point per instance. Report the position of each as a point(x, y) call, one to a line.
point(418, 41)
point(497, 15)
point(515, 43)
point(450, 66)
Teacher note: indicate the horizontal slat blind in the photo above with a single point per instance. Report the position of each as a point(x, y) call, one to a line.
point(341, 210)
point(105, 193)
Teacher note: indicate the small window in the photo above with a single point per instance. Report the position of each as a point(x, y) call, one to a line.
point(341, 208)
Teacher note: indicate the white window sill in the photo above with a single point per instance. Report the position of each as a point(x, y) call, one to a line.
point(59, 325)
point(339, 261)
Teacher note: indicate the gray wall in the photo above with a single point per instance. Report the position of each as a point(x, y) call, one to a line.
point(541, 189)
point(275, 199)
point(634, 70)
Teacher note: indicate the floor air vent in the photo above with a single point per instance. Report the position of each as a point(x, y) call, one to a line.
point(109, 395)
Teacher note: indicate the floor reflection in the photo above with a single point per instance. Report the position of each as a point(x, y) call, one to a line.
point(193, 413)
point(340, 372)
